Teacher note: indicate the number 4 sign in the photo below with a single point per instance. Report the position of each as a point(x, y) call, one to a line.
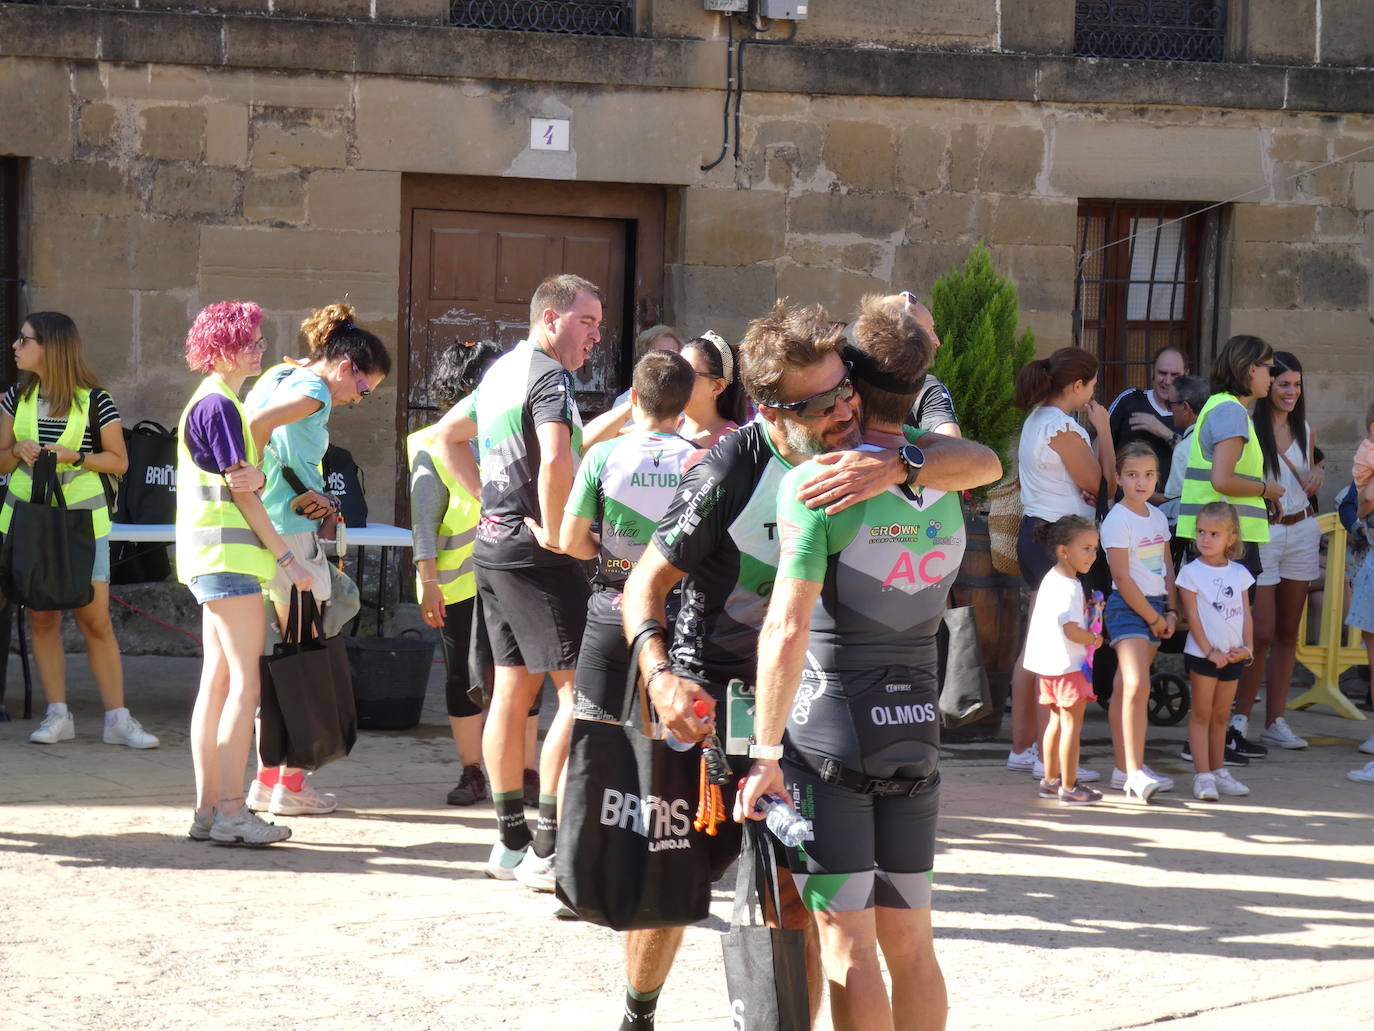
point(550, 133)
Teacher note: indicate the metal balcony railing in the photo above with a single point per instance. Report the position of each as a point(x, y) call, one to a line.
point(1152, 30)
point(573, 17)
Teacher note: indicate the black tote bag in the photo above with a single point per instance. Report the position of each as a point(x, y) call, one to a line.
point(965, 694)
point(49, 552)
point(308, 717)
point(765, 967)
point(628, 857)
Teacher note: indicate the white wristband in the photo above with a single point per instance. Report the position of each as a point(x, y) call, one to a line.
point(765, 751)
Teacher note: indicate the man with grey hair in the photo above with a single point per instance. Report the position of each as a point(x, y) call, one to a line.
point(534, 597)
point(1190, 394)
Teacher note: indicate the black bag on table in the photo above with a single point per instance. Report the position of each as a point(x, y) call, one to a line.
point(308, 716)
point(344, 480)
point(49, 551)
point(965, 694)
point(628, 857)
point(765, 967)
point(147, 495)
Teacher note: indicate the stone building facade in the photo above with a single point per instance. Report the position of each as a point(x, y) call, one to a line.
point(161, 155)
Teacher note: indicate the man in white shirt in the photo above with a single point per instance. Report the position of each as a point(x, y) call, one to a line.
point(1191, 393)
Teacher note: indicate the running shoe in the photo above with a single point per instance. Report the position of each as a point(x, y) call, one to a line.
point(1025, 762)
point(1165, 783)
point(1231, 756)
point(128, 731)
point(471, 787)
point(1084, 776)
point(1049, 788)
point(1079, 795)
point(245, 827)
point(1140, 785)
point(502, 862)
point(1227, 784)
point(1368, 747)
point(259, 796)
point(536, 873)
point(200, 826)
point(1205, 787)
point(305, 802)
point(1280, 735)
point(54, 728)
point(1242, 745)
point(1364, 775)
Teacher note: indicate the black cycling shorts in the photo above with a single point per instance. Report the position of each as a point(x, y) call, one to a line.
point(864, 850)
point(535, 616)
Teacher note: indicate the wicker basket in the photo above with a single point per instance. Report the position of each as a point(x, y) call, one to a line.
point(1004, 523)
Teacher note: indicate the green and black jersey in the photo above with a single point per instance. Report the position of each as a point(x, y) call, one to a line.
point(626, 484)
point(521, 391)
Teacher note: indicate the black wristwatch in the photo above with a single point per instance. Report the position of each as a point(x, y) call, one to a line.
point(80, 459)
point(914, 459)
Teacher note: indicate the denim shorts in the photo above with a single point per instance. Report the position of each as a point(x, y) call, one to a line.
point(217, 586)
point(1123, 622)
point(100, 572)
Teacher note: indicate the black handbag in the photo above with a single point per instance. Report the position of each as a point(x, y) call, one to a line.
point(628, 857)
point(307, 714)
point(965, 695)
point(765, 967)
point(344, 480)
point(49, 551)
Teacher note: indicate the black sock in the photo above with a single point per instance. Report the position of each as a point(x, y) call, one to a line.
point(546, 830)
point(510, 819)
point(640, 1008)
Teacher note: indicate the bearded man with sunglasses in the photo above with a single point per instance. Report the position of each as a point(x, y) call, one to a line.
point(720, 533)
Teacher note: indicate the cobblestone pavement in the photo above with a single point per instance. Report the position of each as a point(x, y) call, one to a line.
point(1255, 913)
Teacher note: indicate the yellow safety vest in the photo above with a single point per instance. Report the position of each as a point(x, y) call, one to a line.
point(81, 487)
point(1197, 482)
point(212, 536)
point(457, 528)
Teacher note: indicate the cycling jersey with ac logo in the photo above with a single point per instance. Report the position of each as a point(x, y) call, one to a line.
point(626, 484)
point(521, 391)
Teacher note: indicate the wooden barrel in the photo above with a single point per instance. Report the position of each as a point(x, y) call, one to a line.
point(996, 600)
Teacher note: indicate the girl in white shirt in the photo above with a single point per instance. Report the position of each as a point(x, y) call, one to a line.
point(1220, 642)
point(1057, 652)
point(1142, 611)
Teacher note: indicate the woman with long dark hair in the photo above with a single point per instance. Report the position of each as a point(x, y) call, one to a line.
point(1290, 558)
point(1226, 463)
point(288, 414)
point(717, 405)
point(1059, 466)
point(56, 406)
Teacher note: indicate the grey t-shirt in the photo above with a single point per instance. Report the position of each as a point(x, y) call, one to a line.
point(1228, 419)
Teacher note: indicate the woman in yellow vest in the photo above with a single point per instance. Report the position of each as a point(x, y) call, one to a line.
point(226, 549)
point(50, 409)
point(443, 520)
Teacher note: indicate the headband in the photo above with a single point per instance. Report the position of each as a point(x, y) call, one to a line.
point(868, 370)
point(727, 359)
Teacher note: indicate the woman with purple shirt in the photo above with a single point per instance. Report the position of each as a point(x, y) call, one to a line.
point(226, 549)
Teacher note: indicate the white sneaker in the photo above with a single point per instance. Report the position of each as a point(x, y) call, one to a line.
point(200, 826)
point(1227, 784)
point(502, 862)
point(1205, 787)
point(128, 731)
point(305, 802)
point(1364, 775)
point(1024, 762)
point(1241, 723)
point(1084, 776)
point(1368, 747)
point(259, 796)
point(1280, 735)
point(1165, 783)
point(534, 872)
point(245, 827)
point(54, 728)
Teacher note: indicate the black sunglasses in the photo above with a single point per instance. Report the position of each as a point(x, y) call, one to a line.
point(818, 406)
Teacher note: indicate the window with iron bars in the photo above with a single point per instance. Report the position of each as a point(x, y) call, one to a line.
point(1140, 286)
point(573, 17)
point(1152, 30)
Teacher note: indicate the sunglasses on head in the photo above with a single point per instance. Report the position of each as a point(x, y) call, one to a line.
point(818, 406)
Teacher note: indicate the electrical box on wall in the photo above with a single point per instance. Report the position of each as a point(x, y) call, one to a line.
point(783, 10)
point(727, 5)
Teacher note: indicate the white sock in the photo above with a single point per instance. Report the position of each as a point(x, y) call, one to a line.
point(57, 708)
point(113, 716)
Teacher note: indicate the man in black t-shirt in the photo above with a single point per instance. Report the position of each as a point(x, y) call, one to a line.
point(1147, 415)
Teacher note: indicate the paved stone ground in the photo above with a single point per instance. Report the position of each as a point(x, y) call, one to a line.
point(1253, 914)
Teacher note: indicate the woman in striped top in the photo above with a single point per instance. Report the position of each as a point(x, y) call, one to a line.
point(50, 409)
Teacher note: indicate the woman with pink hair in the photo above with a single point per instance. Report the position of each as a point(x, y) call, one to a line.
point(226, 549)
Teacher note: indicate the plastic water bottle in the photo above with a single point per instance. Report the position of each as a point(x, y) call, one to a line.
point(787, 825)
point(703, 712)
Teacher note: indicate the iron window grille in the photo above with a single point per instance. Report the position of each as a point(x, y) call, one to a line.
point(572, 17)
point(1151, 30)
